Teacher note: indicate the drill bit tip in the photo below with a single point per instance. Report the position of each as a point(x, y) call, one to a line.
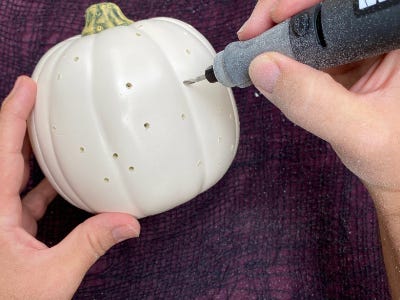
point(195, 80)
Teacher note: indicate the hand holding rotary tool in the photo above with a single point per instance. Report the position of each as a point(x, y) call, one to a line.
point(330, 34)
point(356, 109)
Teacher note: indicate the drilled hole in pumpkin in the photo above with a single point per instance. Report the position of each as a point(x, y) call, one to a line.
point(59, 76)
point(199, 163)
point(82, 149)
point(219, 140)
point(131, 169)
point(129, 85)
point(76, 58)
point(115, 156)
point(183, 116)
point(54, 127)
point(138, 34)
point(106, 179)
point(147, 125)
point(188, 51)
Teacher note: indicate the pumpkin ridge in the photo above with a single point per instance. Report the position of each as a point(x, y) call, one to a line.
point(195, 124)
point(101, 123)
point(40, 155)
point(76, 197)
point(33, 117)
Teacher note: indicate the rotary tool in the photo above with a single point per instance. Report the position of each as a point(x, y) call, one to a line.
point(329, 34)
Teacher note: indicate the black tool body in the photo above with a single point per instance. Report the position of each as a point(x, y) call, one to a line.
point(337, 32)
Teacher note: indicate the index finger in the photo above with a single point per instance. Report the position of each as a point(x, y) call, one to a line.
point(14, 113)
point(267, 13)
point(259, 21)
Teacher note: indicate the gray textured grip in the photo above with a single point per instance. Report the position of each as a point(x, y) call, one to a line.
point(231, 66)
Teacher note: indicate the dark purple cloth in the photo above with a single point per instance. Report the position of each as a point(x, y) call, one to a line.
point(288, 221)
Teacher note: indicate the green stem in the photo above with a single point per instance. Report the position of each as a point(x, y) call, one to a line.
point(102, 16)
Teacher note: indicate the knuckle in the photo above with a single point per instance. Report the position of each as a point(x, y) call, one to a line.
point(11, 114)
point(96, 245)
point(7, 107)
point(5, 103)
point(35, 208)
point(375, 142)
point(306, 99)
point(370, 143)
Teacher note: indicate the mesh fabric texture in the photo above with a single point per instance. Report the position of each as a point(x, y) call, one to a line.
point(288, 221)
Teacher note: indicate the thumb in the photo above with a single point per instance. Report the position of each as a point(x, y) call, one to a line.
point(90, 240)
point(310, 98)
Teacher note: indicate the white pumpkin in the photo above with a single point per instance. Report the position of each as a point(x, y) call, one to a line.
point(115, 129)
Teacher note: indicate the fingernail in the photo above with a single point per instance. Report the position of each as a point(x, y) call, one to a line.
point(264, 73)
point(242, 28)
point(124, 232)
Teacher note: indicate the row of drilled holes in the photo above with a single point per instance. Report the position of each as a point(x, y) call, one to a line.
point(147, 126)
point(115, 156)
point(187, 51)
point(131, 168)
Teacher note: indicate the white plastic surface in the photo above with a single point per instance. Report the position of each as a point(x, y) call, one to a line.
point(115, 129)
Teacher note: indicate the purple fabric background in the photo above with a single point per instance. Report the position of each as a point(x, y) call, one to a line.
point(288, 221)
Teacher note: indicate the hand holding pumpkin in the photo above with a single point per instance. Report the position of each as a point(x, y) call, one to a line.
point(29, 269)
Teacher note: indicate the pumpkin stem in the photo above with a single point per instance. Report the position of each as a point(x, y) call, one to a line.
point(102, 16)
